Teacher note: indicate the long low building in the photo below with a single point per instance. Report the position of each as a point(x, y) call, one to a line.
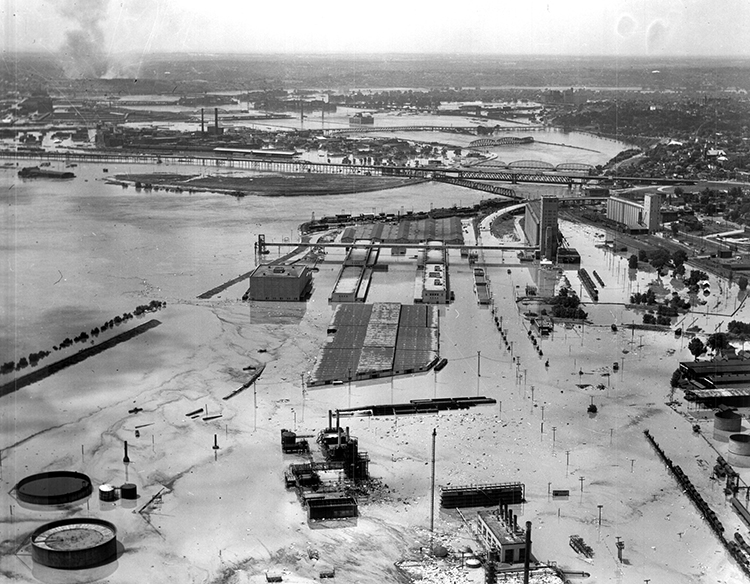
point(713, 374)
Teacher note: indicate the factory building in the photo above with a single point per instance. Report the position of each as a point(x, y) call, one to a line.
point(434, 284)
point(499, 531)
point(540, 225)
point(634, 216)
point(279, 282)
point(431, 286)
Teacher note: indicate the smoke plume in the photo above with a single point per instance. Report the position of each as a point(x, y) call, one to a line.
point(83, 52)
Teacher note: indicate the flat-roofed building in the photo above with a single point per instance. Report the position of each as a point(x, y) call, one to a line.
point(434, 284)
point(502, 536)
point(279, 282)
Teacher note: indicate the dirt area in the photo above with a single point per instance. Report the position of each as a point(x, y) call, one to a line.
point(286, 185)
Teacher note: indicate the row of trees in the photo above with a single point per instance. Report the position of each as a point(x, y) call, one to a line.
point(715, 342)
point(34, 358)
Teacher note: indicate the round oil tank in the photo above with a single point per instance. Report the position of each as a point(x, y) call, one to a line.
point(739, 444)
point(129, 491)
point(74, 544)
point(727, 421)
point(288, 437)
point(106, 493)
point(473, 563)
point(53, 488)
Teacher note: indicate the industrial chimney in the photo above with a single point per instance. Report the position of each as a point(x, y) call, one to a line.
point(527, 556)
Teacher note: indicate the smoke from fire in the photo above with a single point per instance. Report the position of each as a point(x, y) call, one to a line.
point(83, 52)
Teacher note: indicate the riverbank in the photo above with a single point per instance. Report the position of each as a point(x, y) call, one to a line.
point(286, 185)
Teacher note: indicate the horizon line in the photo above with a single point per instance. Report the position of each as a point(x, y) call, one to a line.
point(381, 54)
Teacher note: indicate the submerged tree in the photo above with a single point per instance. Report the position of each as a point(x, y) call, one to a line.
point(696, 347)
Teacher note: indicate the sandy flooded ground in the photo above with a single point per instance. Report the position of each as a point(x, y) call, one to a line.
point(224, 515)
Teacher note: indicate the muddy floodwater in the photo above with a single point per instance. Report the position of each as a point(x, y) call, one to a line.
point(78, 253)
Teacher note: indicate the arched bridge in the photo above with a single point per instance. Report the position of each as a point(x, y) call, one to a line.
point(503, 141)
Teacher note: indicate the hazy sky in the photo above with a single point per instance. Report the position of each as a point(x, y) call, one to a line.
point(513, 27)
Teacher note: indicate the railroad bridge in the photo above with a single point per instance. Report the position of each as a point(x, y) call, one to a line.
point(514, 173)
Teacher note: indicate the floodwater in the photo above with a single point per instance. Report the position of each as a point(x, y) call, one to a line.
point(79, 252)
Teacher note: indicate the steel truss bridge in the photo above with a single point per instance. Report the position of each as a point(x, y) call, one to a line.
point(471, 129)
point(511, 175)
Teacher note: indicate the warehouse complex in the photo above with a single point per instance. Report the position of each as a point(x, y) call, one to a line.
point(377, 340)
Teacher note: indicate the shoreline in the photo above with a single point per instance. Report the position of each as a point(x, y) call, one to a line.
point(265, 186)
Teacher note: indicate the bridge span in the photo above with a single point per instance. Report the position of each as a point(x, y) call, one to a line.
point(510, 175)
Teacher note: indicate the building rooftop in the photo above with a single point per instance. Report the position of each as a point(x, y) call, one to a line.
point(502, 533)
point(278, 271)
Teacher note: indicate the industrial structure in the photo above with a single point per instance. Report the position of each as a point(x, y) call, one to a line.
point(484, 495)
point(634, 216)
point(74, 544)
point(432, 282)
point(279, 282)
point(367, 341)
point(540, 226)
point(355, 276)
point(499, 531)
point(56, 487)
point(319, 484)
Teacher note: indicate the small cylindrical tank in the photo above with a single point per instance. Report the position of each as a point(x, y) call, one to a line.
point(106, 493)
point(129, 491)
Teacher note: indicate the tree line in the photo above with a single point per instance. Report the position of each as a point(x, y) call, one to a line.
point(34, 358)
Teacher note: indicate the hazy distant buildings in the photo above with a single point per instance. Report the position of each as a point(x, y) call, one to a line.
point(360, 119)
point(635, 216)
point(540, 225)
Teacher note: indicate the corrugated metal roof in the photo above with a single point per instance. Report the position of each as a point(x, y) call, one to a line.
point(722, 392)
point(375, 359)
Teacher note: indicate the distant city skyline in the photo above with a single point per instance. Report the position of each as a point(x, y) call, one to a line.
point(627, 28)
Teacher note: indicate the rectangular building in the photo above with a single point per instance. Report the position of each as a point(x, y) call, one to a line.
point(279, 282)
point(635, 216)
point(502, 536)
point(540, 225)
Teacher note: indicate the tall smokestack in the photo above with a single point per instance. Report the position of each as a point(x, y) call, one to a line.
point(330, 419)
point(338, 429)
point(216, 119)
point(527, 556)
point(203, 130)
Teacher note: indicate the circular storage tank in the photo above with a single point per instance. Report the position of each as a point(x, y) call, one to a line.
point(739, 450)
point(129, 491)
point(54, 488)
point(727, 421)
point(106, 493)
point(74, 544)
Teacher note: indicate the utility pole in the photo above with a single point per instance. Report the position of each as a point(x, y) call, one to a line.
point(479, 370)
point(432, 493)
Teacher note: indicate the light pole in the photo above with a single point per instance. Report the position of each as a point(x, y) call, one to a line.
point(432, 491)
point(295, 419)
point(600, 514)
